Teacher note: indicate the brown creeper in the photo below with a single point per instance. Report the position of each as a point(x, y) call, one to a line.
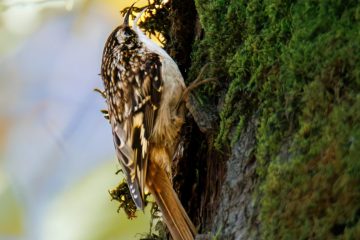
point(144, 93)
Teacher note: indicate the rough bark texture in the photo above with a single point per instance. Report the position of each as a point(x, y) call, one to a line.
point(182, 17)
point(274, 153)
point(236, 215)
point(221, 199)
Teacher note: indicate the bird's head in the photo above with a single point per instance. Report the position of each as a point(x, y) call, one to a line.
point(124, 33)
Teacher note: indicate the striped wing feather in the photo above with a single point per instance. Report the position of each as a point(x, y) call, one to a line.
point(139, 89)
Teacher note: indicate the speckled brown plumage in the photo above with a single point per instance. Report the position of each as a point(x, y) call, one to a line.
point(144, 94)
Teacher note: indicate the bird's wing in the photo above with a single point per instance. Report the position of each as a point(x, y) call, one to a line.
point(133, 110)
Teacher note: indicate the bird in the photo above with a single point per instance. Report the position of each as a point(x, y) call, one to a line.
point(145, 91)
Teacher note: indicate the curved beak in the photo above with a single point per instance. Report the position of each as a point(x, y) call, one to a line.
point(126, 19)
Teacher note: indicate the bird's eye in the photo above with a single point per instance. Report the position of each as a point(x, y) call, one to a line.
point(127, 32)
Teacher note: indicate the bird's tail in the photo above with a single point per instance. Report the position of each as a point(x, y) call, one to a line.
point(175, 217)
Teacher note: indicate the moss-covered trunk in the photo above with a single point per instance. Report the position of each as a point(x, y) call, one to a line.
point(283, 160)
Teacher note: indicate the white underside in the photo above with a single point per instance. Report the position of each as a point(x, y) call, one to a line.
point(173, 87)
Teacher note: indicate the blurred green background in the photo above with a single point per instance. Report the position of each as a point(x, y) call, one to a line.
point(57, 160)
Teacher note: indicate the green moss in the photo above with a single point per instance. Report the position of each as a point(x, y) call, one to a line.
point(122, 195)
point(295, 65)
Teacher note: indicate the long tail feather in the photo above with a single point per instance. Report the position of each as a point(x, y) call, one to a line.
point(175, 217)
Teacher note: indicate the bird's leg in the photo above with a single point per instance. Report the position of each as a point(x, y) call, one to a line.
point(204, 117)
point(197, 82)
point(194, 84)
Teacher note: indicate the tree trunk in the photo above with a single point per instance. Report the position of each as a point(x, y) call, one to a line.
point(272, 150)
